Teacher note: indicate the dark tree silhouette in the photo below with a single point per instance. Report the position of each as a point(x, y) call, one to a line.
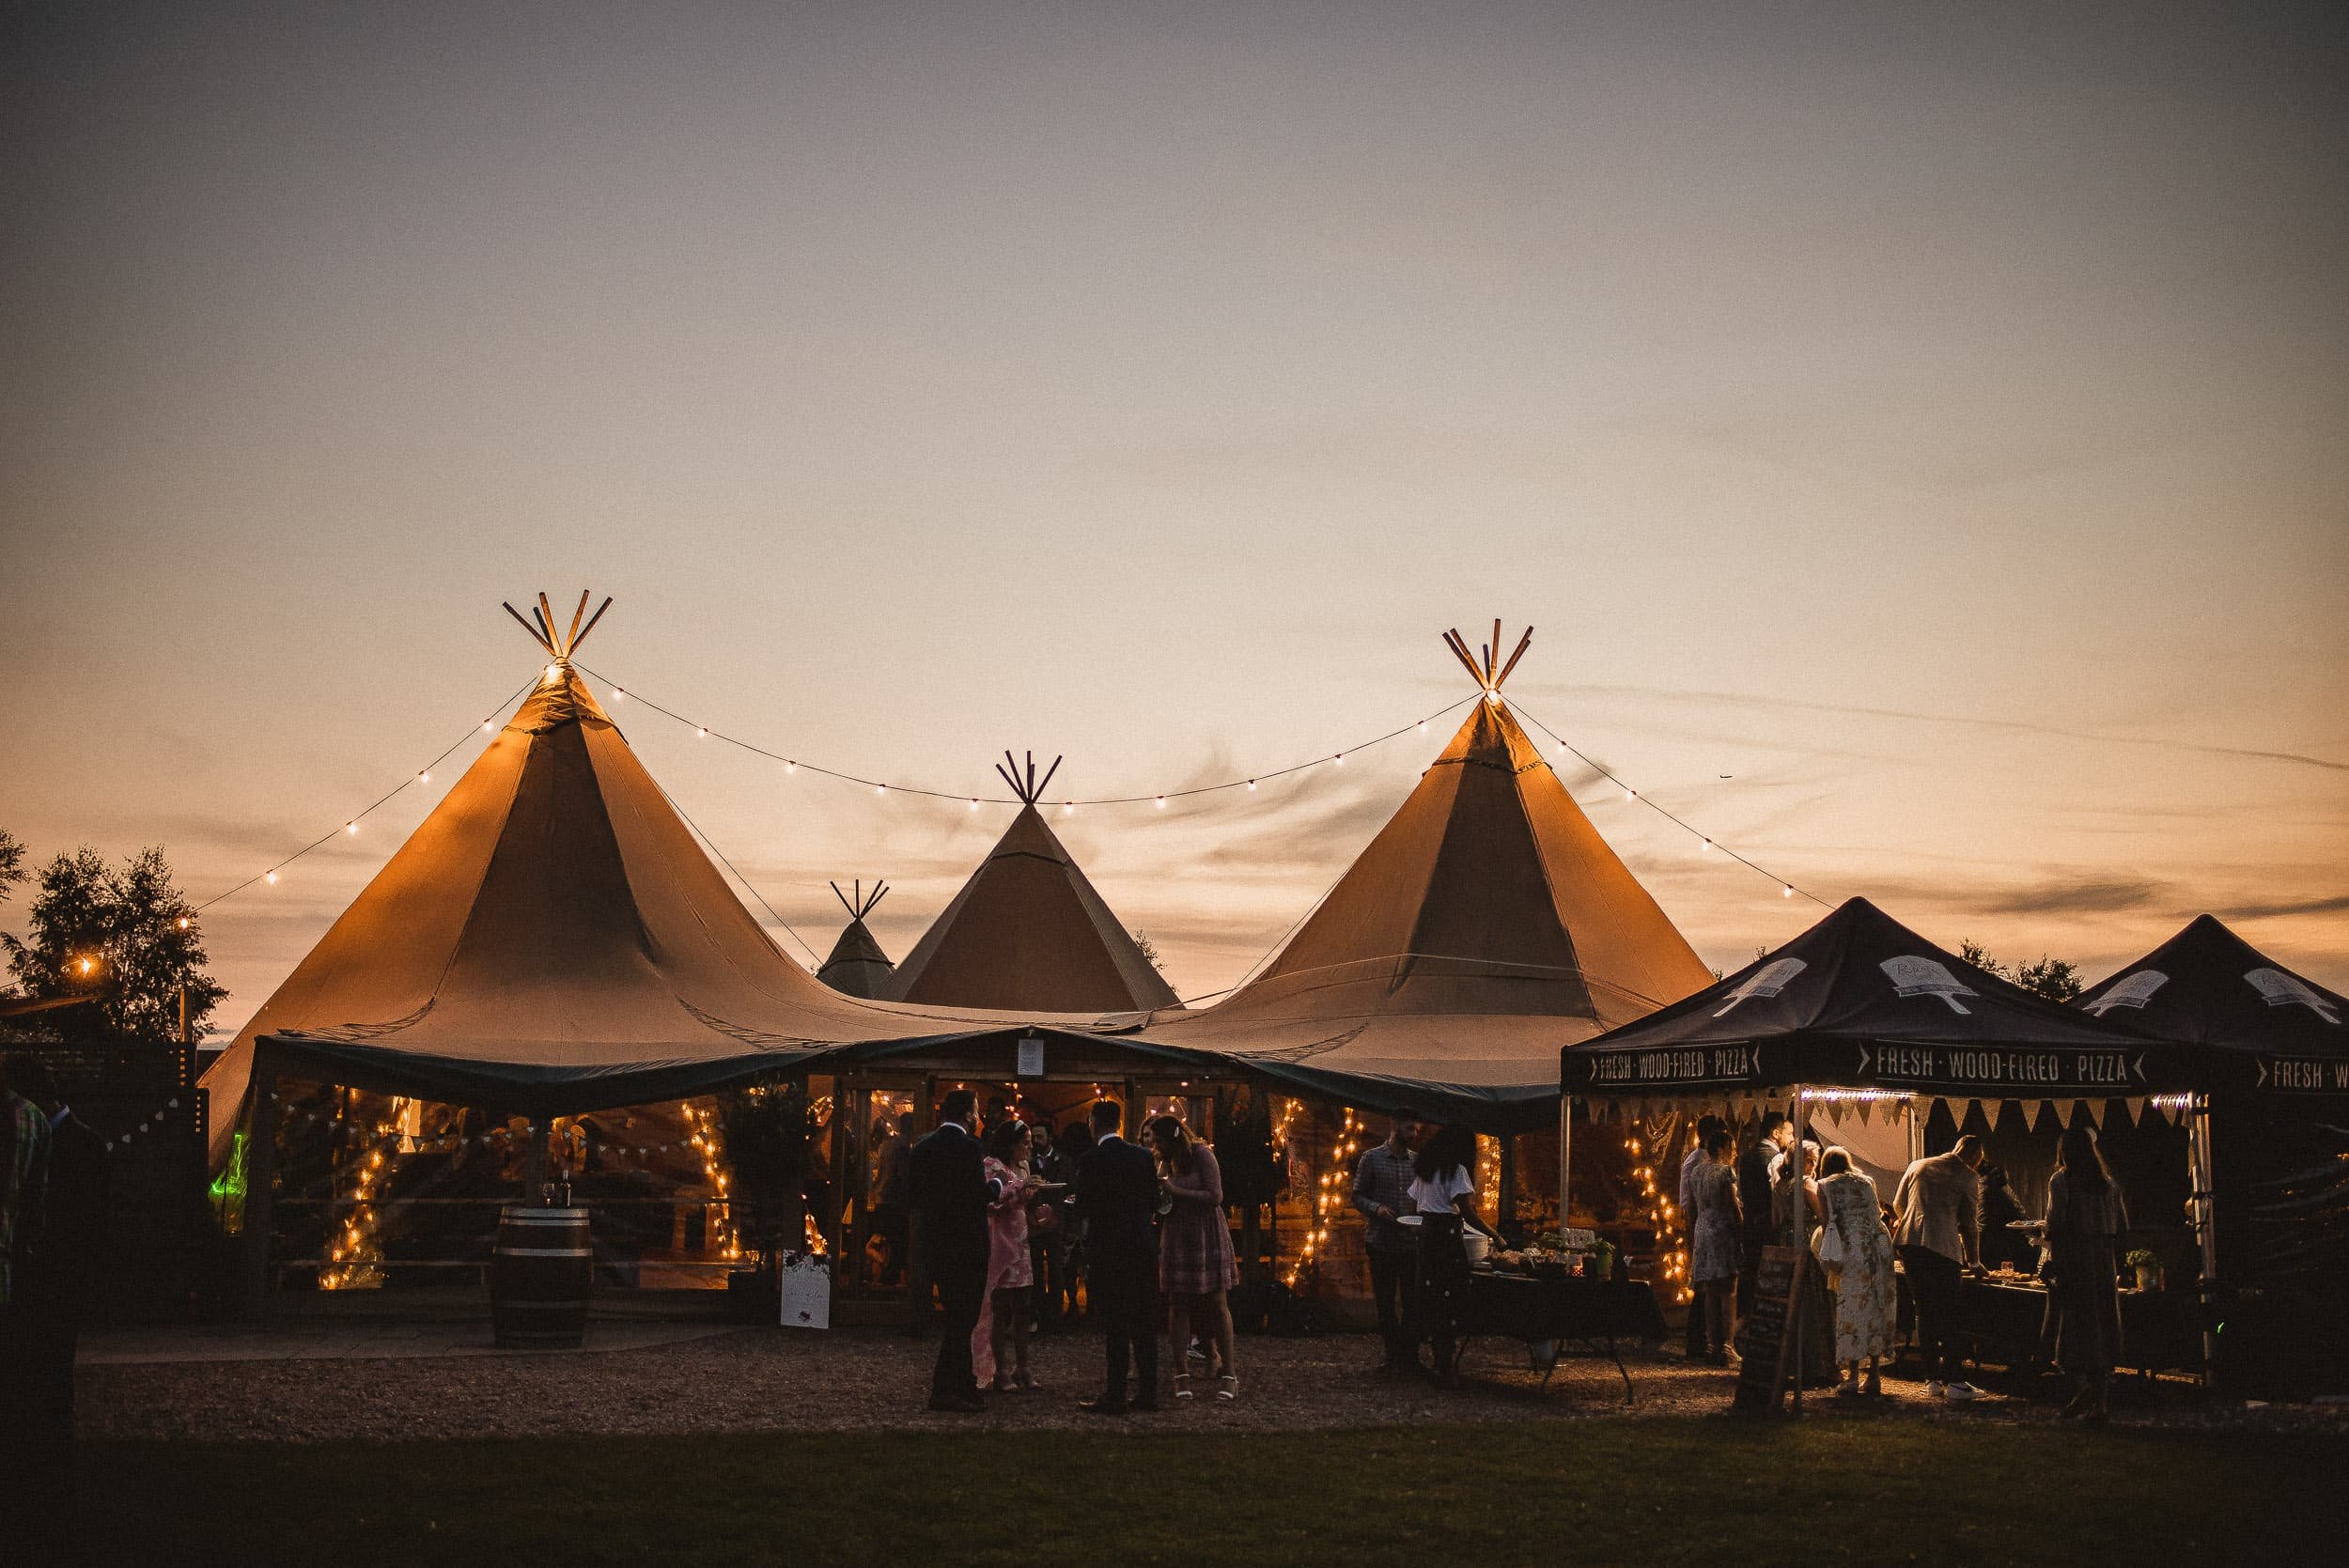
point(125, 936)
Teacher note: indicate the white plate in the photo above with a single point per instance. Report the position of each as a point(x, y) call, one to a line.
point(1410, 1218)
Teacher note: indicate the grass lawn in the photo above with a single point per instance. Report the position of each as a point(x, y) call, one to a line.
point(1654, 1491)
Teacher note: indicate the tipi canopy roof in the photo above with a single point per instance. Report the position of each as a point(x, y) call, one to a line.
point(2208, 987)
point(550, 932)
point(1484, 926)
point(1028, 932)
point(1861, 1000)
point(857, 966)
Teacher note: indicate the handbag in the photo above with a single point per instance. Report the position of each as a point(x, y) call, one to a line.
point(1826, 1245)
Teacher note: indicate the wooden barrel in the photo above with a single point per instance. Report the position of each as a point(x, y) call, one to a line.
point(539, 1278)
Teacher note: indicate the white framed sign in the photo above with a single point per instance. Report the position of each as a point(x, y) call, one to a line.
point(806, 1289)
point(1031, 1056)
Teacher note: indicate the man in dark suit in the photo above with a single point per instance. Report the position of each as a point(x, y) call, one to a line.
point(951, 1192)
point(1753, 1202)
point(1117, 1195)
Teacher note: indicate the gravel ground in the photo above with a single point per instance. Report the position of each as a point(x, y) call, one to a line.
point(766, 1379)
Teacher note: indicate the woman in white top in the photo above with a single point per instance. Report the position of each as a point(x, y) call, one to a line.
point(1444, 1193)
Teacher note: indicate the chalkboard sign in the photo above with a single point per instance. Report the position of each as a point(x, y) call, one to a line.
point(1769, 1330)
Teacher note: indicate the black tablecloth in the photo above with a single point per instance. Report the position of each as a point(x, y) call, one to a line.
point(1519, 1307)
point(2160, 1330)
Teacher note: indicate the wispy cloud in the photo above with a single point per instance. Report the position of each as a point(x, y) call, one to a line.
point(2019, 727)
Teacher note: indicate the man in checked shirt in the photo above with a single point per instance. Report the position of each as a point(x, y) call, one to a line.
point(1382, 1192)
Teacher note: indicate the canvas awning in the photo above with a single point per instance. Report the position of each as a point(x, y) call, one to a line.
point(1860, 1000)
point(2261, 1026)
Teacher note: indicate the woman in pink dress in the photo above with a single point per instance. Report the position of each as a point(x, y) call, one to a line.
point(1004, 1328)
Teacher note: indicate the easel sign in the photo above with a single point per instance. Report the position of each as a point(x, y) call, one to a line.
point(1770, 1332)
point(807, 1280)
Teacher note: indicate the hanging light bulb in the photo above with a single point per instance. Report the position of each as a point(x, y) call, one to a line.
point(183, 926)
point(1251, 783)
point(1423, 727)
point(974, 803)
point(554, 673)
point(1161, 802)
point(1339, 759)
point(351, 828)
point(790, 767)
point(880, 789)
point(1068, 808)
point(272, 878)
point(1786, 892)
point(425, 777)
point(486, 725)
point(701, 732)
point(1706, 848)
point(1629, 793)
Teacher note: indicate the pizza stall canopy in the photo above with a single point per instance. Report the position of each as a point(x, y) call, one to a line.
point(551, 940)
point(1860, 1000)
point(2253, 1022)
point(1029, 931)
point(1485, 925)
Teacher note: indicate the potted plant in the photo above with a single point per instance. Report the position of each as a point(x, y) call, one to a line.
point(1602, 1260)
point(2148, 1268)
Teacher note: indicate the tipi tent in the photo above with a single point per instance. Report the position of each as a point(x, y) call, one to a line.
point(550, 940)
point(857, 966)
point(1028, 932)
point(1485, 926)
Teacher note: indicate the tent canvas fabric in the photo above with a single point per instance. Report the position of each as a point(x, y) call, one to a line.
point(551, 939)
point(1485, 926)
point(1861, 1000)
point(1028, 932)
point(2207, 987)
point(857, 967)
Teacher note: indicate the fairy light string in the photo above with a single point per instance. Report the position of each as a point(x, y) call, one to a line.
point(1639, 796)
point(1156, 799)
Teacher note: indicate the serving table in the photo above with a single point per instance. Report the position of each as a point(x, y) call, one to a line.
point(1557, 1310)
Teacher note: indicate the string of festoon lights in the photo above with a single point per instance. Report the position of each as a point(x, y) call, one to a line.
point(418, 779)
point(1707, 843)
point(1068, 805)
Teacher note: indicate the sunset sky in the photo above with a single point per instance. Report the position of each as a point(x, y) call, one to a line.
point(1915, 432)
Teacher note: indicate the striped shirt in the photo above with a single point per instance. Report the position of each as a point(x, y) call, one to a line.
point(1383, 1180)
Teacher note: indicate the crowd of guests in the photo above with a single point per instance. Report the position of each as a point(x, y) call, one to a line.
point(1003, 1213)
point(53, 1207)
point(1737, 1203)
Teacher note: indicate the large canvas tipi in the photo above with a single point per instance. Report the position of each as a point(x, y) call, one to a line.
point(550, 939)
point(1485, 926)
point(1029, 933)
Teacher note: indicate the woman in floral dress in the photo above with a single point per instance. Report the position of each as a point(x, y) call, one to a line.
point(1858, 1251)
point(1195, 1263)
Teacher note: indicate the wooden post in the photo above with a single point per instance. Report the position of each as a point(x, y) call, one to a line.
point(535, 1166)
point(1795, 1240)
point(2204, 1171)
point(260, 1175)
point(1565, 1154)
